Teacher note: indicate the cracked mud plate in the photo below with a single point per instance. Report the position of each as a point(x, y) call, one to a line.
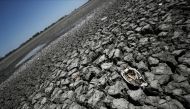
point(133, 77)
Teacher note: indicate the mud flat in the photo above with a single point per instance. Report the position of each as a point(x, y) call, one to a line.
point(82, 69)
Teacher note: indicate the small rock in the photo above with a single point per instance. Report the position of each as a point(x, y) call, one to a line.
point(172, 104)
point(143, 41)
point(56, 93)
point(162, 69)
point(147, 28)
point(117, 53)
point(103, 80)
point(95, 97)
point(44, 100)
point(154, 84)
point(142, 66)
point(136, 95)
point(164, 27)
point(120, 103)
point(162, 79)
point(185, 58)
point(153, 61)
point(177, 91)
point(166, 57)
point(179, 78)
point(129, 57)
point(177, 52)
point(187, 98)
point(183, 70)
point(73, 64)
point(117, 88)
point(177, 34)
point(106, 66)
point(138, 29)
point(65, 81)
point(75, 106)
point(104, 18)
point(116, 30)
point(149, 76)
point(49, 88)
point(102, 59)
point(162, 34)
point(153, 100)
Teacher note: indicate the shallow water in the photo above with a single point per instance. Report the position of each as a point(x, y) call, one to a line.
point(30, 54)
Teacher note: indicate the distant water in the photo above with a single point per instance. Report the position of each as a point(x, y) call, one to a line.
point(21, 19)
point(30, 54)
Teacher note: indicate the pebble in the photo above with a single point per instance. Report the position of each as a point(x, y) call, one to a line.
point(120, 103)
point(106, 66)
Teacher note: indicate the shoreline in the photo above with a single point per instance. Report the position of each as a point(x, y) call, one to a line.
point(61, 27)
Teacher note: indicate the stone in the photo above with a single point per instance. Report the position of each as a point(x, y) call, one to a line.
point(143, 41)
point(103, 107)
point(136, 95)
point(44, 100)
point(111, 53)
point(162, 79)
point(84, 60)
point(96, 97)
point(37, 106)
point(129, 57)
point(102, 59)
point(49, 88)
point(162, 69)
point(103, 80)
point(187, 98)
point(138, 29)
point(108, 99)
point(116, 30)
point(117, 53)
point(75, 106)
point(154, 84)
point(117, 88)
point(74, 64)
point(177, 34)
point(142, 66)
point(67, 94)
point(149, 76)
point(153, 61)
point(164, 27)
point(177, 91)
point(179, 78)
point(65, 81)
point(62, 74)
point(162, 34)
point(185, 58)
point(36, 97)
point(166, 57)
point(56, 94)
point(147, 27)
point(178, 52)
point(77, 83)
point(153, 100)
point(183, 70)
point(172, 104)
point(106, 66)
point(89, 76)
point(120, 103)
point(104, 18)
